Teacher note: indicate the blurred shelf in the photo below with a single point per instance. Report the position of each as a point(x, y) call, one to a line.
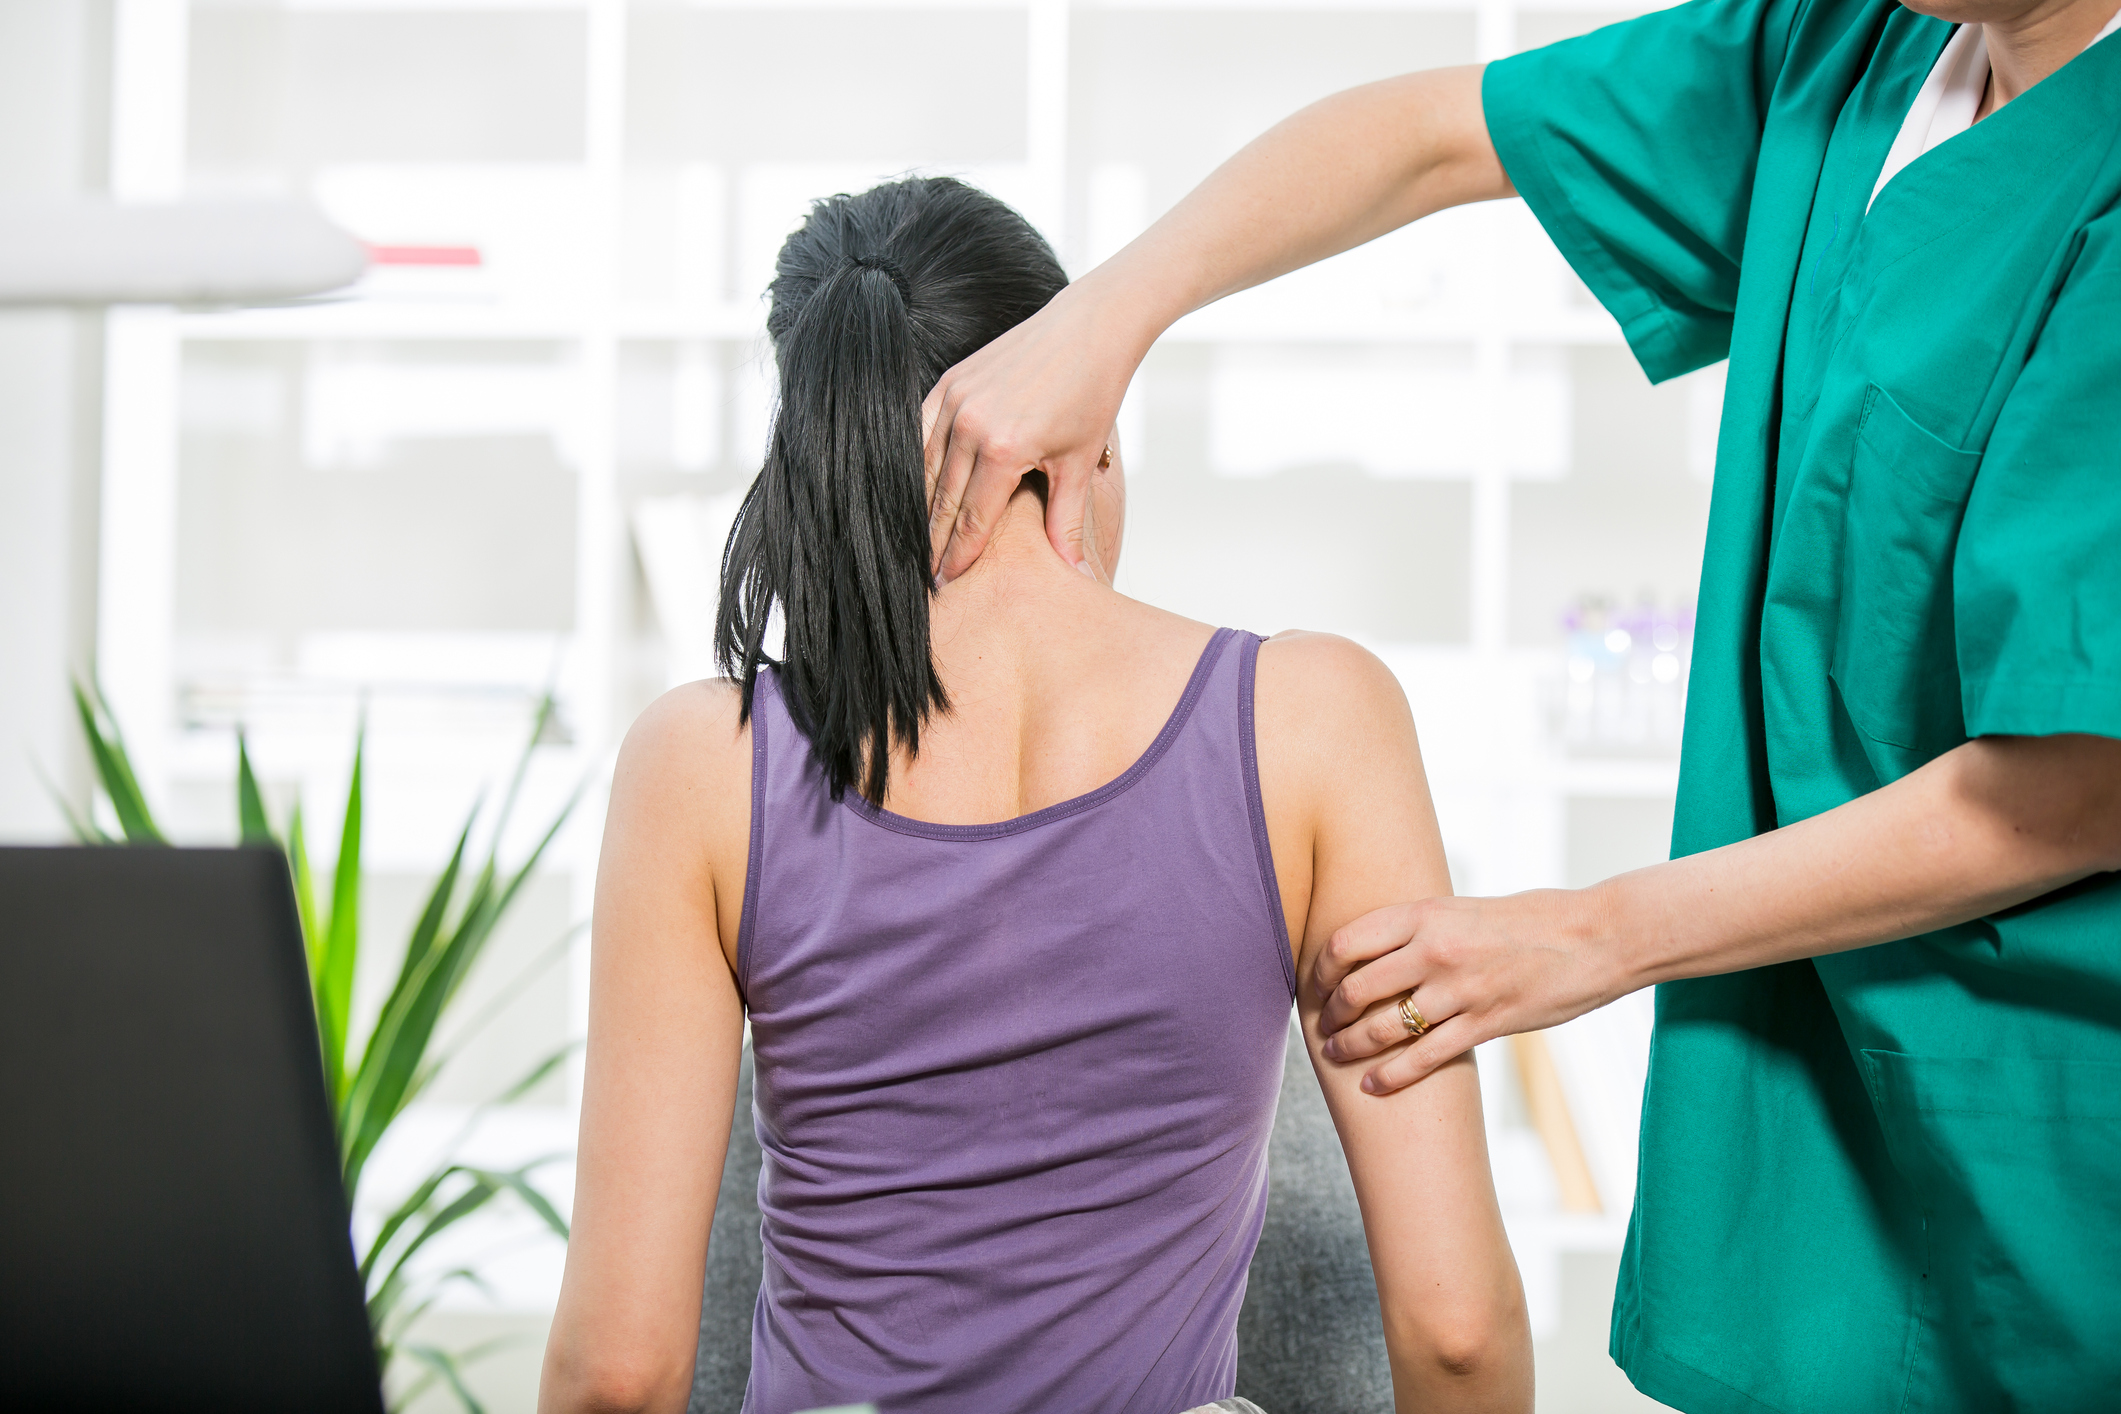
point(439, 757)
point(1540, 7)
point(357, 319)
point(1557, 326)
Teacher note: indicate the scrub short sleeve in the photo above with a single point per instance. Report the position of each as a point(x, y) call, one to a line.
point(2036, 579)
point(1635, 146)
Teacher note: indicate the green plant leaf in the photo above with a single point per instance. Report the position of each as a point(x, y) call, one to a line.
point(517, 1181)
point(394, 1065)
point(342, 937)
point(313, 945)
point(445, 1364)
point(106, 744)
point(404, 1213)
point(532, 1076)
point(516, 777)
point(392, 1335)
point(373, 1099)
point(84, 831)
point(306, 905)
point(461, 1036)
point(250, 801)
point(483, 1186)
point(429, 1378)
point(481, 1191)
point(403, 1321)
point(298, 863)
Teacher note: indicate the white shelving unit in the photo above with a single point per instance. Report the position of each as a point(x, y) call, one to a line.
point(591, 312)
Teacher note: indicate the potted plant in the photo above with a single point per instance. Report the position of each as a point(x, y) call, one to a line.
point(372, 1078)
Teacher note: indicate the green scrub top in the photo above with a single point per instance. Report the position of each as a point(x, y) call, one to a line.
point(1888, 1179)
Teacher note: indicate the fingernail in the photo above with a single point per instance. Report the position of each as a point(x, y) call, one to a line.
point(938, 581)
point(1331, 1049)
point(1369, 1085)
point(1084, 566)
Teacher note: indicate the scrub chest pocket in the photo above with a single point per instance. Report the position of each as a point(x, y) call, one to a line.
point(1895, 659)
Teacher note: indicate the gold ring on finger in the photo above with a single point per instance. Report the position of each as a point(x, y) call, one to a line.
point(1411, 1016)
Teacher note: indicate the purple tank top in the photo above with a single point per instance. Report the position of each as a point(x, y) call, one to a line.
point(1014, 1081)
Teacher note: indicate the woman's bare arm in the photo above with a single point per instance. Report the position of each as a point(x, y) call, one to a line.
point(1985, 826)
point(666, 1033)
point(1341, 172)
point(1349, 817)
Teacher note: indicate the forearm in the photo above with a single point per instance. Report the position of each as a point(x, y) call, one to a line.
point(1989, 825)
point(1492, 1382)
point(1459, 1342)
point(1341, 172)
point(1986, 826)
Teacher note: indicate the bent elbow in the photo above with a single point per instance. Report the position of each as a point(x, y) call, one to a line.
point(1467, 1352)
point(1488, 1351)
point(608, 1387)
point(617, 1393)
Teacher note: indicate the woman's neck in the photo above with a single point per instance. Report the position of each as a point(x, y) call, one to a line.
point(2025, 48)
point(1018, 591)
point(1056, 683)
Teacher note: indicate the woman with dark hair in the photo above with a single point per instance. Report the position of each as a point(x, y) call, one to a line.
point(1014, 879)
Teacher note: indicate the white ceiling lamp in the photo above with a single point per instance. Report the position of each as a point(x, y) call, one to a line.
point(98, 252)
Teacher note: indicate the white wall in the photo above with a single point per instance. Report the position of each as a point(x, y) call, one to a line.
point(54, 65)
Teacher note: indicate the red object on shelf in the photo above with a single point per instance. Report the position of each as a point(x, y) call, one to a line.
point(462, 255)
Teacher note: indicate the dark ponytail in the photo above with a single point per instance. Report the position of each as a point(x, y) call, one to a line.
point(873, 298)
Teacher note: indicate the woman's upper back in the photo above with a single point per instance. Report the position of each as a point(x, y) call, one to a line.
point(1015, 1077)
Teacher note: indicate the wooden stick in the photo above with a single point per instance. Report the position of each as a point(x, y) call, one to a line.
point(1549, 1107)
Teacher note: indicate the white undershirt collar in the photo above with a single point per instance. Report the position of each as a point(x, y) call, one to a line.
point(1949, 98)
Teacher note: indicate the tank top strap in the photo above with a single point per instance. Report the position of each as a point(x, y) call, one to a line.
point(1220, 772)
point(769, 721)
point(1255, 805)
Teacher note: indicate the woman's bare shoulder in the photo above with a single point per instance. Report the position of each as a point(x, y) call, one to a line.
point(1337, 756)
point(1322, 679)
point(689, 752)
point(1330, 714)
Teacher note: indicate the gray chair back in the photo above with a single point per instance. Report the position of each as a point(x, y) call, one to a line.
point(1309, 1340)
point(733, 1262)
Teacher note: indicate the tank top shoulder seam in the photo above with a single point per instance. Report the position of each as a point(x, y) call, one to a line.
point(747, 924)
point(1255, 804)
point(1173, 726)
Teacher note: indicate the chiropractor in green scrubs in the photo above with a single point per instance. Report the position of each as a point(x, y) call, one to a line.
point(1881, 1144)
